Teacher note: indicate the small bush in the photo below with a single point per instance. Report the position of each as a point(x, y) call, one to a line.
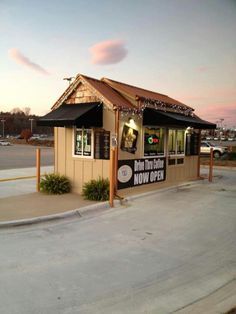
point(55, 184)
point(96, 190)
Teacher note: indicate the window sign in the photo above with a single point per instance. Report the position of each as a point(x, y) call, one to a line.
point(83, 142)
point(78, 142)
point(129, 139)
point(154, 141)
point(134, 172)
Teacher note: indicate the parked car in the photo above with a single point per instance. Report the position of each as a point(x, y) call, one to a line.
point(223, 138)
point(217, 149)
point(4, 143)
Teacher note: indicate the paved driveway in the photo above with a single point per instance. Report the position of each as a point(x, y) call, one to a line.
point(169, 252)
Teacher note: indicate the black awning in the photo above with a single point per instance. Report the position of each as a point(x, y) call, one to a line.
point(80, 115)
point(155, 117)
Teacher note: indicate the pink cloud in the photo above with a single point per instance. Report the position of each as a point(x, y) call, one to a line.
point(108, 52)
point(216, 112)
point(19, 58)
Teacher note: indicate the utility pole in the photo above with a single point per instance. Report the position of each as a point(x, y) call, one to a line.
point(31, 125)
point(3, 126)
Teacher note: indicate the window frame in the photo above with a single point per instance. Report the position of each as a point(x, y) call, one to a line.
point(75, 129)
point(176, 154)
point(143, 139)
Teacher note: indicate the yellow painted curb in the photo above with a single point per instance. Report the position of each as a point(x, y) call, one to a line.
point(18, 178)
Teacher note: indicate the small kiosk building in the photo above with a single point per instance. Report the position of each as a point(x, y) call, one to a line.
point(156, 138)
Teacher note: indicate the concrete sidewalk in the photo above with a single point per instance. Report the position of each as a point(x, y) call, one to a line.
point(20, 203)
point(34, 205)
point(14, 182)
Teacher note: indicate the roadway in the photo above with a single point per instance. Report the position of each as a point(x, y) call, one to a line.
point(172, 252)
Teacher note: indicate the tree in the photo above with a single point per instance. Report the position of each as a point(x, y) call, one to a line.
point(16, 110)
point(26, 111)
point(26, 134)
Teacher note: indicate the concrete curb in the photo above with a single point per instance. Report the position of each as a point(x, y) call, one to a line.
point(163, 190)
point(90, 210)
point(79, 212)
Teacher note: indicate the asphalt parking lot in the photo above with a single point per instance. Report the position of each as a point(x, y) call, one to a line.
point(24, 156)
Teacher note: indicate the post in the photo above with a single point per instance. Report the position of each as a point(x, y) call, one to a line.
point(38, 169)
point(112, 177)
point(117, 116)
point(199, 153)
point(211, 166)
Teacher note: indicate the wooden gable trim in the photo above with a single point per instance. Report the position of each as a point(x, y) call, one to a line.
point(72, 88)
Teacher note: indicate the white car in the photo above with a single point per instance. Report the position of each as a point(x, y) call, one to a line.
point(218, 151)
point(4, 143)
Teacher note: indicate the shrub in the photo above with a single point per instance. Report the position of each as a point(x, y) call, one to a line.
point(55, 184)
point(96, 190)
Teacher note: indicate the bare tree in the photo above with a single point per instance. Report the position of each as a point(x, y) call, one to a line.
point(26, 111)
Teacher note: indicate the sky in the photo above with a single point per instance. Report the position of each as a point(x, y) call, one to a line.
point(185, 49)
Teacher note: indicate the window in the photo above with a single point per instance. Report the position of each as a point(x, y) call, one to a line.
point(172, 142)
point(180, 141)
point(83, 142)
point(154, 141)
point(176, 142)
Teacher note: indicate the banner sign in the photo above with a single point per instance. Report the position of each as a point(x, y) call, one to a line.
point(136, 172)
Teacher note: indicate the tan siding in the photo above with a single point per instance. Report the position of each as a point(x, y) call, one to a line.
point(105, 168)
point(78, 176)
point(97, 168)
point(55, 149)
point(88, 170)
point(68, 155)
point(61, 150)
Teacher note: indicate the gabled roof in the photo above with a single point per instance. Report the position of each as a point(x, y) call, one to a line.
point(140, 93)
point(109, 93)
point(116, 95)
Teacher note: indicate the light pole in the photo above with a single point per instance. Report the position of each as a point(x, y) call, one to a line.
point(31, 125)
point(3, 122)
